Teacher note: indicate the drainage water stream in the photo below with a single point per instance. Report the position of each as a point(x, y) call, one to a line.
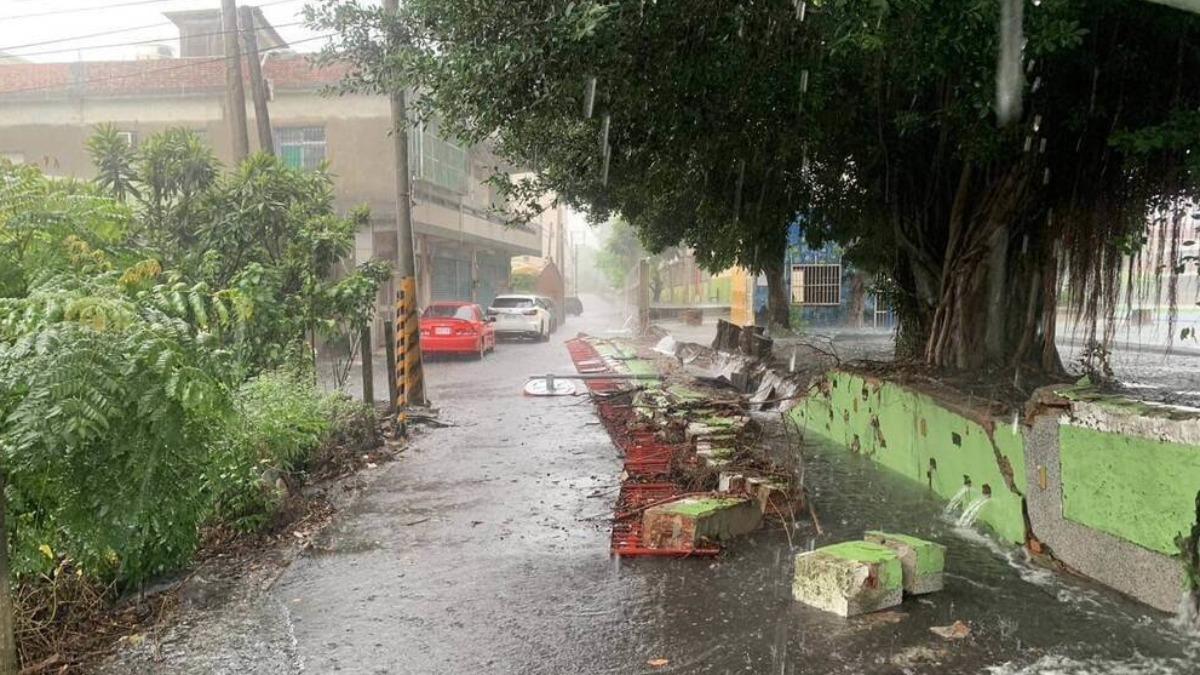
point(736, 614)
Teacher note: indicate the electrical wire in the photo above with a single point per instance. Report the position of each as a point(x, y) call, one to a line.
point(76, 10)
point(140, 73)
point(115, 31)
point(141, 42)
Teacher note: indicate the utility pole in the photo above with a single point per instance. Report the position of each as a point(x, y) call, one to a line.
point(258, 88)
point(235, 95)
point(409, 375)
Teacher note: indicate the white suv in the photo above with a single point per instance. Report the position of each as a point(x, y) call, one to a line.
point(521, 314)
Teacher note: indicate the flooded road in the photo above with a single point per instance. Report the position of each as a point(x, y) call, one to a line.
point(484, 549)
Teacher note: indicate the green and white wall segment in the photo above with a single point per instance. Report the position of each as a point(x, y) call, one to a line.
point(1105, 482)
point(924, 439)
point(1113, 483)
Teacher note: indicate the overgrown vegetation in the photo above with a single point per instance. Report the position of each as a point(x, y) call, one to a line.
point(156, 351)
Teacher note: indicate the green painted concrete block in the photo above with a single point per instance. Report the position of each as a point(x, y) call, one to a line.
point(921, 561)
point(709, 453)
point(848, 579)
point(689, 522)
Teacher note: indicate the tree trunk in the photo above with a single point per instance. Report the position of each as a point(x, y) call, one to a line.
point(858, 300)
point(989, 289)
point(8, 644)
point(779, 307)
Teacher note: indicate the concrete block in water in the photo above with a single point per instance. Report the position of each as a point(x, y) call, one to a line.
point(922, 561)
point(848, 579)
point(689, 521)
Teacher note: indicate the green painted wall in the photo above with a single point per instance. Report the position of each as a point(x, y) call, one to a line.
point(1138, 489)
point(903, 430)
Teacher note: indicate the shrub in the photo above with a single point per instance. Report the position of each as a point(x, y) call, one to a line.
point(280, 419)
point(106, 409)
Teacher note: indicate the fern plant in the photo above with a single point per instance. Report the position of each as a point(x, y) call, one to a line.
point(106, 408)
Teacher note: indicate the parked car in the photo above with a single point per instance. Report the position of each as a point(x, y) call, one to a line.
point(519, 314)
point(574, 306)
point(457, 328)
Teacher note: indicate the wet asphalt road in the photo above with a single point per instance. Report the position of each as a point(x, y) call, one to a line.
point(484, 547)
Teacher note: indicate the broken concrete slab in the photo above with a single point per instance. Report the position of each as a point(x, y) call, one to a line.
point(687, 522)
point(848, 579)
point(772, 495)
point(709, 453)
point(921, 561)
point(729, 481)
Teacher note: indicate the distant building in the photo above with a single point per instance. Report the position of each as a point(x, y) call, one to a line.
point(202, 35)
point(463, 246)
point(823, 290)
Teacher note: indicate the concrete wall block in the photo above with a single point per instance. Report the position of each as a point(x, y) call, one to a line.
point(689, 522)
point(729, 481)
point(849, 579)
point(1153, 578)
point(922, 562)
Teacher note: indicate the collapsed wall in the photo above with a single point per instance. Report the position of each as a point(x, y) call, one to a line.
point(957, 453)
point(1103, 483)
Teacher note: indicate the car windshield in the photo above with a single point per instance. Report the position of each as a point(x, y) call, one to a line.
point(450, 312)
point(511, 303)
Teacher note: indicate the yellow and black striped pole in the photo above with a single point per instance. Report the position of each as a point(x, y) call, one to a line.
point(408, 379)
point(410, 384)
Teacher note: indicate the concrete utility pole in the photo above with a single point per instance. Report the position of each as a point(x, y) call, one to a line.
point(235, 95)
point(258, 88)
point(409, 375)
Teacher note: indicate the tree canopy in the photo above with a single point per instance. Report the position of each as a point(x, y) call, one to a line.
point(715, 125)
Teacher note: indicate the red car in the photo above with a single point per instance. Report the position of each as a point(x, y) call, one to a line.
point(456, 328)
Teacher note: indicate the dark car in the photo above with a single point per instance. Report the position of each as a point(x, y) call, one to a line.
point(574, 306)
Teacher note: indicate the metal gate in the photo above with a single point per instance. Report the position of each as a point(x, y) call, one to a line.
point(451, 279)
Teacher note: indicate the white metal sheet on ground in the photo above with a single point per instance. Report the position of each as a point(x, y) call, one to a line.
point(542, 388)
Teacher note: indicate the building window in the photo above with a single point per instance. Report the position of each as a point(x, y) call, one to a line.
point(438, 161)
point(817, 284)
point(130, 138)
point(301, 147)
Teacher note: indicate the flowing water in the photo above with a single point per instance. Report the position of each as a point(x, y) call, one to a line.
point(957, 500)
point(971, 513)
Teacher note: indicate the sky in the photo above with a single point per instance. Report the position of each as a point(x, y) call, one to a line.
point(24, 22)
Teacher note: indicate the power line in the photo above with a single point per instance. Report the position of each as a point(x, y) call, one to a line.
point(140, 73)
point(102, 33)
point(59, 12)
point(115, 31)
point(138, 42)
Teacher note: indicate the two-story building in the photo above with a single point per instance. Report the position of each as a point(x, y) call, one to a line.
point(463, 246)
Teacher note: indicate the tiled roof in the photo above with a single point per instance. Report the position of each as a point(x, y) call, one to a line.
point(157, 76)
